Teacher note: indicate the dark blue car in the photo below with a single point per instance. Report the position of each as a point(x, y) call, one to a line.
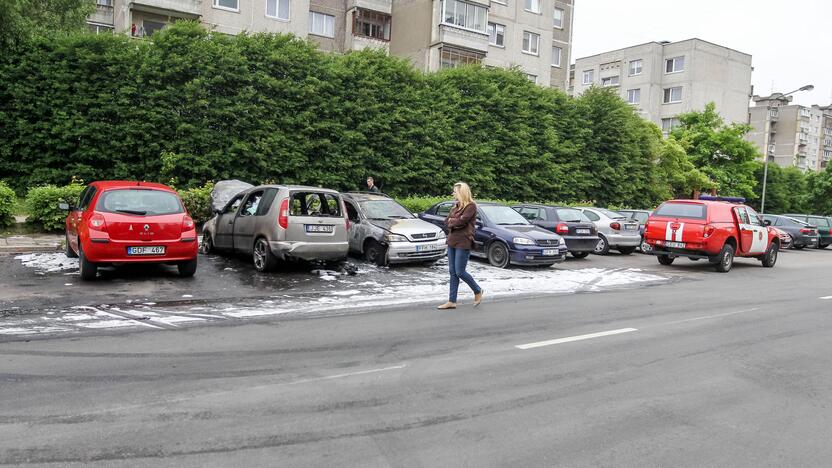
point(505, 237)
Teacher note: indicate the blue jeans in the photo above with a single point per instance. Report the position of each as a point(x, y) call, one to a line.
point(457, 261)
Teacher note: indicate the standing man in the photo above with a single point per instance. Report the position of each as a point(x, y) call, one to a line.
point(371, 186)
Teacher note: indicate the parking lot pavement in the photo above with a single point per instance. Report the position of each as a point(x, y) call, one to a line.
point(42, 293)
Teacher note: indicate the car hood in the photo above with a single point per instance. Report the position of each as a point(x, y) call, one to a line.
point(413, 229)
point(225, 190)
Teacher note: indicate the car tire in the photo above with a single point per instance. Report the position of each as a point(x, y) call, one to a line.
point(207, 245)
point(580, 254)
point(87, 269)
point(822, 246)
point(665, 259)
point(498, 255)
point(603, 246)
point(725, 259)
point(627, 250)
point(187, 269)
point(262, 256)
point(68, 249)
point(770, 258)
point(375, 253)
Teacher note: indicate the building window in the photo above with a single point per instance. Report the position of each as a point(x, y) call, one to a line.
point(151, 27)
point(635, 67)
point(674, 65)
point(557, 52)
point(804, 112)
point(452, 57)
point(531, 42)
point(100, 28)
point(672, 95)
point(104, 3)
point(532, 78)
point(532, 5)
point(321, 24)
point(559, 18)
point(465, 15)
point(610, 81)
point(496, 34)
point(589, 77)
point(669, 124)
point(278, 9)
point(633, 96)
point(370, 23)
point(232, 5)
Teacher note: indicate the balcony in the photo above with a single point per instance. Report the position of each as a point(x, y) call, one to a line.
point(465, 38)
point(179, 8)
point(103, 13)
point(381, 6)
point(772, 149)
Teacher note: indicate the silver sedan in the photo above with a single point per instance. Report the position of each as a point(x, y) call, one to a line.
point(615, 231)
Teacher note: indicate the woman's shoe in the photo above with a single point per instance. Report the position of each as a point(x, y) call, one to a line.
point(447, 305)
point(478, 297)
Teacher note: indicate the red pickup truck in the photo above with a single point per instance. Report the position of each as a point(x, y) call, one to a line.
point(715, 230)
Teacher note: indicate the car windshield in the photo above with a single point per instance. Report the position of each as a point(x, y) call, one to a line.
point(681, 210)
point(611, 214)
point(819, 222)
point(639, 216)
point(385, 209)
point(571, 215)
point(503, 215)
point(140, 202)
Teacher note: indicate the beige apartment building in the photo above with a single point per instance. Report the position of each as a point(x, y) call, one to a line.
point(791, 135)
point(665, 79)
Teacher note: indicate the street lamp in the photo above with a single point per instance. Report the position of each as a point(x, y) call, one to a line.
point(765, 139)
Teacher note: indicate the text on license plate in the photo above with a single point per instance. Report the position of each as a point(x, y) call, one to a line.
point(630, 227)
point(550, 252)
point(146, 250)
point(424, 248)
point(582, 231)
point(675, 245)
point(319, 228)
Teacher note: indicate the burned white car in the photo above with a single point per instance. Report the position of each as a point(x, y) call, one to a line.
point(384, 232)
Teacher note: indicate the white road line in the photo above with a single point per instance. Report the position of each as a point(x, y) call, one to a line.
point(575, 338)
point(826, 297)
point(704, 317)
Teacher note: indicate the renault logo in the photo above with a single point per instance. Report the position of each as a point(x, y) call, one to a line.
point(146, 227)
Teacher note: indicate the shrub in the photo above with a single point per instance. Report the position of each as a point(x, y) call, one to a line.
point(8, 199)
point(419, 204)
point(43, 204)
point(198, 202)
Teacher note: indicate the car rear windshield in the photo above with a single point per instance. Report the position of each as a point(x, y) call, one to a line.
point(681, 210)
point(504, 215)
point(819, 222)
point(571, 215)
point(140, 202)
point(315, 204)
point(611, 214)
point(385, 209)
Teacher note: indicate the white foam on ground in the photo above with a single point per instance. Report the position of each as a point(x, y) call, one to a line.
point(48, 262)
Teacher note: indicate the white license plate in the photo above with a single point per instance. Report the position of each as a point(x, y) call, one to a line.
point(581, 231)
point(675, 245)
point(630, 227)
point(319, 228)
point(156, 250)
point(425, 248)
point(550, 252)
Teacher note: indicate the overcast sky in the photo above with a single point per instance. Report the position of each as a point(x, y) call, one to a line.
point(790, 41)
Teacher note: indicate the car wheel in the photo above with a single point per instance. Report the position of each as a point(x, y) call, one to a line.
point(627, 250)
point(822, 246)
point(665, 259)
point(375, 253)
point(264, 259)
point(68, 249)
point(187, 269)
point(88, 269)
point(579, 254)
point(770, 258)
point(207, 245)
point(498, 255)
point(725, 259)
point(603, 247)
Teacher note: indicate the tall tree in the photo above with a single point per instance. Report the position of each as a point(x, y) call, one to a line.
point(21, 20)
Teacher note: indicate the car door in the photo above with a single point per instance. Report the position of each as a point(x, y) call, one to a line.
point(224, 225)
point(759, 241)
point(75, 217)
point(481, 233)
point(357, 225)
point(244, 225)
point(746, 231)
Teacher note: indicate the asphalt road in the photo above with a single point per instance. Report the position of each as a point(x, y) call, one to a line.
point(710, 370)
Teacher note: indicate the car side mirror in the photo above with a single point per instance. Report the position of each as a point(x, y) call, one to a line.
point(63, 206)
point(767, 222)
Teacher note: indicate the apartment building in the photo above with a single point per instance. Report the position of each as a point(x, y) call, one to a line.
point(665, 79)
point(534, 36)
point(335, 25)
point(791, 135)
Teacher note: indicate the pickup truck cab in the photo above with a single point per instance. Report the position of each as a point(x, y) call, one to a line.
point(716, 230)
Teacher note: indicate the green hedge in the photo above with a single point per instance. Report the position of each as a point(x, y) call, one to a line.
point(43, 202)
point(198, 203)
point(8, 200)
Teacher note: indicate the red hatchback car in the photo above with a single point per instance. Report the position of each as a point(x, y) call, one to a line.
point(118, 222)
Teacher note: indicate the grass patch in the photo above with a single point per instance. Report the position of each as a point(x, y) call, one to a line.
point(19, 208)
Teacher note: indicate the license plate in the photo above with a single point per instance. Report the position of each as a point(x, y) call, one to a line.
point(630, 227)
point(155, 250)
point(675, 245)
point(550, 252)
point(581, 231)
point(319, 228)
point(425, 248)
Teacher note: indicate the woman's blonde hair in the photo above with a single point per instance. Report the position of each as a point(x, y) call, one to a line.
point(464, 194)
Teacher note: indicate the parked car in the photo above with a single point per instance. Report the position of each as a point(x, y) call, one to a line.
point(716, 229)
point(275, 223)
point(803, 234)
point(577, 230)
point(384, 232)
point(119, 222)
point(823, 223)
point(504, 237)
point(785, 238)
point(639, 215)
point(615, 231)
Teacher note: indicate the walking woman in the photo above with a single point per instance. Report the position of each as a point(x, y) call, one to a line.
point(461, 223)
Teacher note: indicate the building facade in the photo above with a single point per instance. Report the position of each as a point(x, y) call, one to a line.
point(665, 79)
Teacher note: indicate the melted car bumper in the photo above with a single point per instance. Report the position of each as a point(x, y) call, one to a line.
point(403, 252)
point(310, 251)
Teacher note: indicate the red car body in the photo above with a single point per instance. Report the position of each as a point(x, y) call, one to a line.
point(118, 222)
point(713, 230)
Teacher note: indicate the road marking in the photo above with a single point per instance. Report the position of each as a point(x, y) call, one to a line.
point(575, 338)
point(826, 297)
point(339, 376)
point(704, 317)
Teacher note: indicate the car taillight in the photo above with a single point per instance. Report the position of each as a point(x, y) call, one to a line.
point(616, 226)
point(806, 231)
point(283, 214)
point(830, 232)
point(187, 223)
point(98, 223)
point(708, 231)
point(562, 229)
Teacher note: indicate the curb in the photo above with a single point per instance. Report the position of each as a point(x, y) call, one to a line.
point(22, 249)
